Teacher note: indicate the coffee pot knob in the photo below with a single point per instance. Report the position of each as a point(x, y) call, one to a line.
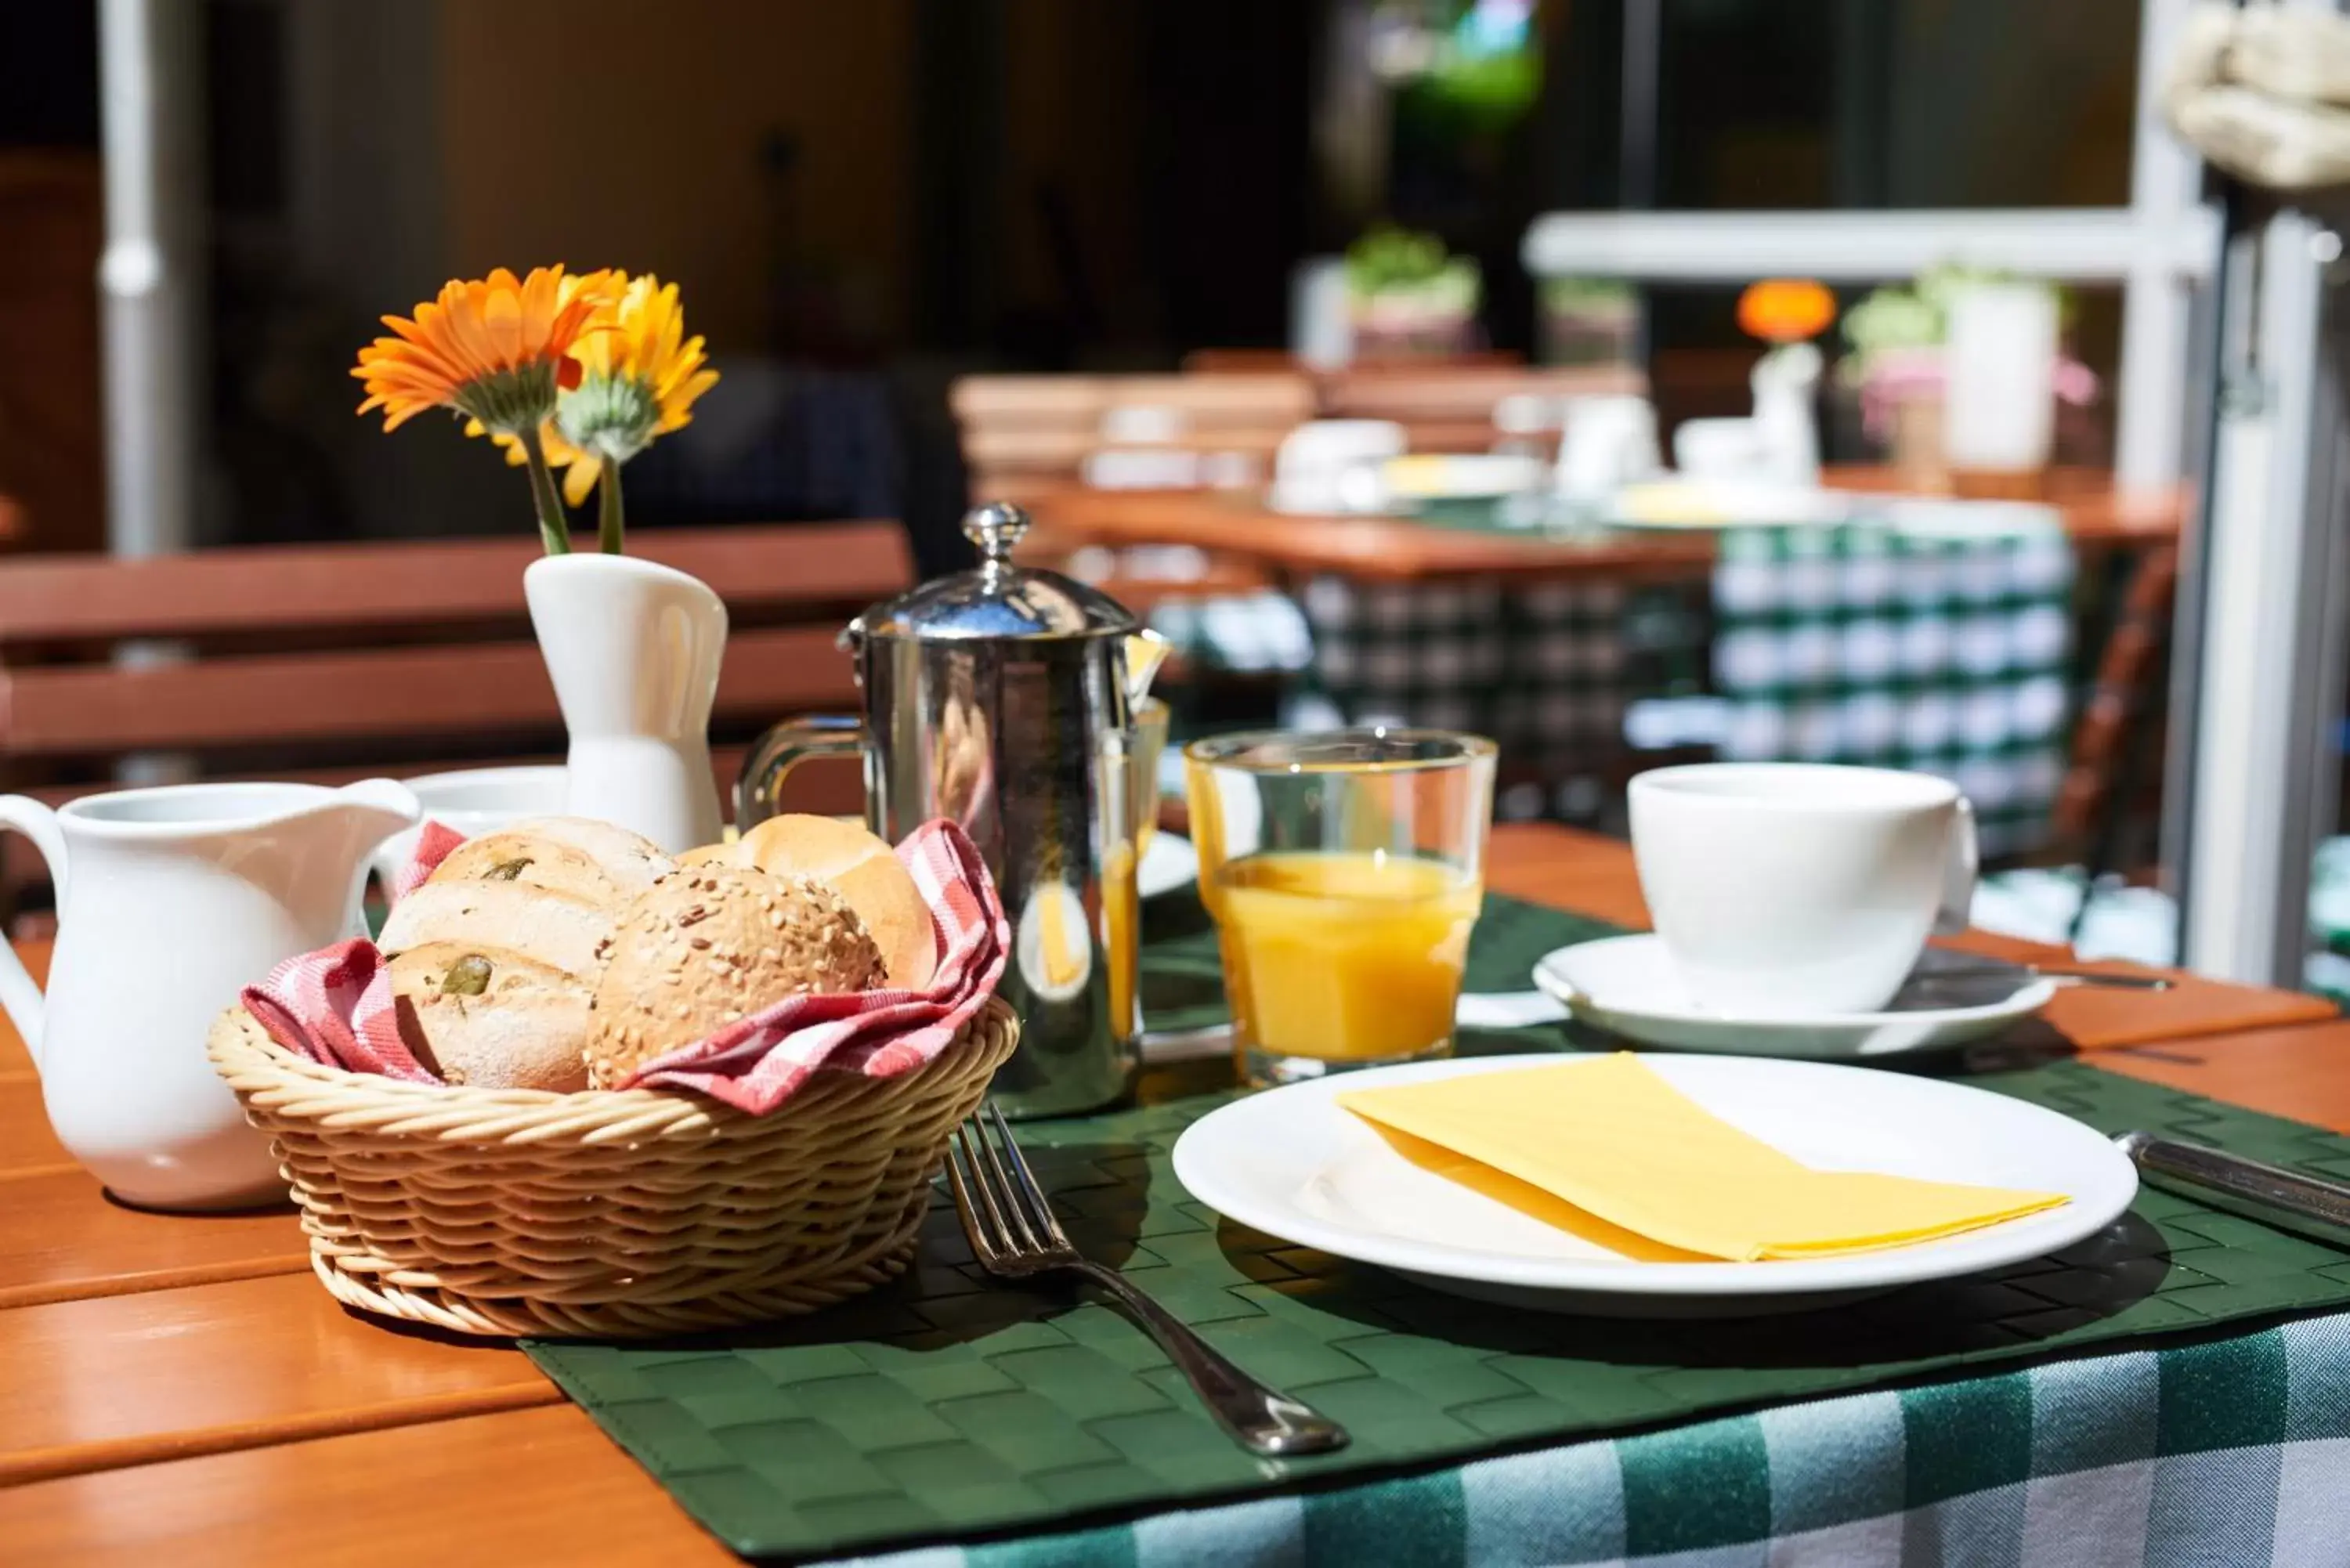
point(996, 528)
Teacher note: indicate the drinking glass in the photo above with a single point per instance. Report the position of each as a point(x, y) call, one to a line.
point(1343, 869)
point(1150, 716)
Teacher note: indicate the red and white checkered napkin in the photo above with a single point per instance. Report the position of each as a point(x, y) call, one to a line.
point(335, 1005)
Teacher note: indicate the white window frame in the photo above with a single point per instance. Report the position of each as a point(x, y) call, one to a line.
point(2157, 249)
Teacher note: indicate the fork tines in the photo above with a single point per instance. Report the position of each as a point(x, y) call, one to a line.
point(1004, 1213)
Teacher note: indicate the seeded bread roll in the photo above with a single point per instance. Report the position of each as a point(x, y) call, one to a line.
point(492, 1018)
point(712, 945)
point(863, 869)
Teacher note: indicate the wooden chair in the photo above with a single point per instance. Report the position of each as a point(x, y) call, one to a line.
point(331, 662)
point(1230, 362)
point(1452, 408)
point(1025, 434)
point(2116, 740)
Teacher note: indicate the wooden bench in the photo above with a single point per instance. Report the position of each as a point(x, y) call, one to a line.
point(331, 662)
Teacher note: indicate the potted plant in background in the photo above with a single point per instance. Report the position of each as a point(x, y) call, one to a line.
point(1590, 321)
point(1409, 297)
point(583, 371)
point(1896, 364)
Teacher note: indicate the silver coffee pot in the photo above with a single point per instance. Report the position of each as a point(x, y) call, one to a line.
point(998, 699)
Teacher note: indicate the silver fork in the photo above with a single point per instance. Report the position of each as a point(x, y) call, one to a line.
point(1013, 1234)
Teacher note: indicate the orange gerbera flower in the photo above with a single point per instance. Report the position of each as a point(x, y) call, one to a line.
point(640, 376)
point(496, 349)
point(1785, 309)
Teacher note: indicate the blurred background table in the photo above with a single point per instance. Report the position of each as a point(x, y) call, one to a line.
point(2096, 517)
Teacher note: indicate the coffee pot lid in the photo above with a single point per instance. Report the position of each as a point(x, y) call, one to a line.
point(999, 599)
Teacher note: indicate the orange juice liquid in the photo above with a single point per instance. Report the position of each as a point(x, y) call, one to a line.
point(1344, 957)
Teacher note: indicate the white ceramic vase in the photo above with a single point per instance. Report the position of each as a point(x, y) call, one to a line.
point(633, 649)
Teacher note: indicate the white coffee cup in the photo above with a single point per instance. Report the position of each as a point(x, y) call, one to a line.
point(1799, 889)
point(473, 801)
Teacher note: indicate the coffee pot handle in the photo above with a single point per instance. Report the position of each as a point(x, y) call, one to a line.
point(758, 790)
point(20, 997)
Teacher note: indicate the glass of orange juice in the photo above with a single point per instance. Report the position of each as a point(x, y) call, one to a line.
point(1343, 869)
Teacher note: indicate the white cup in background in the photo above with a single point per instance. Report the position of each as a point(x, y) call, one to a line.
point(1608, 443)
point(473, 801)
point(1799, 889)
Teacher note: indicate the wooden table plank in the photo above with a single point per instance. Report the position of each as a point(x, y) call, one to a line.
point(27, 1144)
point(16, 1062)
point(531, 1486)
point(62, 1237)
point(123, 1380)
point(2301, 1073)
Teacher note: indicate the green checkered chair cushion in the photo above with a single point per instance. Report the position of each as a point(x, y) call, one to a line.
point(1541, 668)
point(1407, 653)
point(1948, 655)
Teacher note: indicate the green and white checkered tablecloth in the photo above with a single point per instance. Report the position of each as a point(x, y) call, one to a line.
point(1941, 652)
point(1941, 649)
point(2229, 1451)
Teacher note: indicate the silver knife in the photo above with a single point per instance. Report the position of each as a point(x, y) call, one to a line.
point(2249, 1181)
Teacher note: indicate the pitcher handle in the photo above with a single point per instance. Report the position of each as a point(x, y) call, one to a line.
point(20, 997)
point(758, 790)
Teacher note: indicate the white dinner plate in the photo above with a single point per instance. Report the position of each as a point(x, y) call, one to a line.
point(1461, 476)
point(1167, 864)
point(1626, 986)
point(1291, 1162)
point(1704, 505)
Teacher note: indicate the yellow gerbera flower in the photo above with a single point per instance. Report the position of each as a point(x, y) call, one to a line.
point(638, 380)
point(496, 349)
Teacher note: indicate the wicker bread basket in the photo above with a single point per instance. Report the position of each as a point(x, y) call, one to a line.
point(608, 1213)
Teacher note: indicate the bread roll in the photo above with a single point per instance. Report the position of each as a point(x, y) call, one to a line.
point(712, 945)
point(492, 1018)
point(548, 888)
point(531, 858)
point(537, 922)
point(862, 870)
point(632, 861)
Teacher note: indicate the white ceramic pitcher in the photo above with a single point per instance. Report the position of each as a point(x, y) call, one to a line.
point(169, 901)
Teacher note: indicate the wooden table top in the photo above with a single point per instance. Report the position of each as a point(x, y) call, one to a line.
point(179, 1390)
point(1234, 523)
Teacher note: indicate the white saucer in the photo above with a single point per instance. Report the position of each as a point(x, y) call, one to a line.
point(1293, 1163)
point(1167, 864)
point(1626, 986)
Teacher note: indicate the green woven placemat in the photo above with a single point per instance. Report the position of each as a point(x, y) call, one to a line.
point(949, 1406)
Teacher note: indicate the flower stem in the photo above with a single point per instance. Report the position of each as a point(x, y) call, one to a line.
point(608, 509)
point(554, 528)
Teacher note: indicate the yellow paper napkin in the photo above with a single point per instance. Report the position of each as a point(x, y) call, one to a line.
point(1616, 1141)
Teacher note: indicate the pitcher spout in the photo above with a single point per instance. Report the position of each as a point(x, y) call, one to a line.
point(379, 808)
